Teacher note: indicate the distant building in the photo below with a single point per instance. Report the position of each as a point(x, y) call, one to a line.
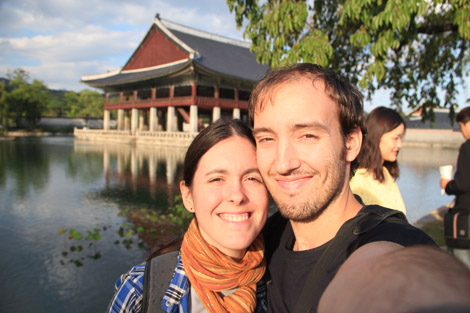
point(179, 79)
point(442, 120)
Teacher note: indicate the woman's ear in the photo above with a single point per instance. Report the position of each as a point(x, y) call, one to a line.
point(353, 144)
point(186, 196)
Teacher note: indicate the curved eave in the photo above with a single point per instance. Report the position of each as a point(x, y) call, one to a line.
point(129, 77)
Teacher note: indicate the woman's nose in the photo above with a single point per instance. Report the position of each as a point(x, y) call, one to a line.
point(236, 193)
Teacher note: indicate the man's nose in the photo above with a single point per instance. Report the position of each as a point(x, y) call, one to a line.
point(287, 158)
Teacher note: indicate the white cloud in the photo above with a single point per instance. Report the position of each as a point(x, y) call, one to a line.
point(60, 41)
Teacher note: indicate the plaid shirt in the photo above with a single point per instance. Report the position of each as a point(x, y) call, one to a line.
point(129, 292)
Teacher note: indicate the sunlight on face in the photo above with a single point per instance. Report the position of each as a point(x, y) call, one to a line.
point(391, 143)
point(228, 196)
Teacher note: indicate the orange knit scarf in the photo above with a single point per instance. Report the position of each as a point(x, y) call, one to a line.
point(210, 272)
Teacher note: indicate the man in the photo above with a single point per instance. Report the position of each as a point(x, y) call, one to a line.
point(308, 129)
point(460, 185)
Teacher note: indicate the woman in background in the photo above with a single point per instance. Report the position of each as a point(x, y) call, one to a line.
point(221, 256)
point(374, 180)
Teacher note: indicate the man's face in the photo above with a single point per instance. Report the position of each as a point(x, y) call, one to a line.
point(300, 149)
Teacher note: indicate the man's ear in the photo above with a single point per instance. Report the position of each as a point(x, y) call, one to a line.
point(186, 196)
point(353, 144)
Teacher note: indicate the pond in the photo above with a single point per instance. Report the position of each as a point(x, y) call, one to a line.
point(64, 237)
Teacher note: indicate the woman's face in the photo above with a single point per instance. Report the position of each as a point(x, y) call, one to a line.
point(391, 143)
point(228, 196)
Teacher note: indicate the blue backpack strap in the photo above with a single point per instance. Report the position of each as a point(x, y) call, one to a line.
point(158, 274)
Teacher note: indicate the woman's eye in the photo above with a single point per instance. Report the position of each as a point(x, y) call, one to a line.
point(256, 179)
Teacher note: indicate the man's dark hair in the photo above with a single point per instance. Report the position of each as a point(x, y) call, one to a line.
point(463, 116)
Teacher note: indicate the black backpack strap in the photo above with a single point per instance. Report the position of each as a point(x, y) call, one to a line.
point(158, 274)
point(368, 218)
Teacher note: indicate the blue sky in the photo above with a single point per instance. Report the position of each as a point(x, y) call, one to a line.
point(59, 41)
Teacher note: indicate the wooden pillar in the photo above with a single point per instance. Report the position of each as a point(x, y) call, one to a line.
point(193, 118)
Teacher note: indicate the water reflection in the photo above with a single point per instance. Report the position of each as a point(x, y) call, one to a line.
point(51, 183)
point(137, 176)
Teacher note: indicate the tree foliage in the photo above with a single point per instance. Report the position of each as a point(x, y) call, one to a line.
point(418, 49)
point(25, 100)
point(21, 99)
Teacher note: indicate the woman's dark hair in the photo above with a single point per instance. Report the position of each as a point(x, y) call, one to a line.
point(463, 116)
point(209, 137)
point(380, 121)
point(204, 141)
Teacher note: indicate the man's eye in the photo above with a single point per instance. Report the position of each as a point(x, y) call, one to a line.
point(310, 136)
point(214, 180)
point(265, 139)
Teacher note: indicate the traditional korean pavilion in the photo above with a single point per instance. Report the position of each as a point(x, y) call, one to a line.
point(179, 79)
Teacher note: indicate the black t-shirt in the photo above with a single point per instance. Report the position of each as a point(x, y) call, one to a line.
point(289, 269)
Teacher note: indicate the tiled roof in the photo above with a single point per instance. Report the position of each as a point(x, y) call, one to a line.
point(216, 54)
point(224, 58)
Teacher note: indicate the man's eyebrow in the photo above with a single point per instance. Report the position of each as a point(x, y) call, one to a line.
point(261, 130)
point(314, 124)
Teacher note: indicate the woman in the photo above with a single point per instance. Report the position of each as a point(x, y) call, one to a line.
point(374, 181)
point(222, 251)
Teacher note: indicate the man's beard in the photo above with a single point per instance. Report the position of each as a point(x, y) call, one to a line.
point(312, 207)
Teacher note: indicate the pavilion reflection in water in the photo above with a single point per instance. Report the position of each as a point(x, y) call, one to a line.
point(141, 170)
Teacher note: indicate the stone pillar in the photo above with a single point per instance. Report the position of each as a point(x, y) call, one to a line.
point(193, 119)
point(120, 121)
point(236, 113)
point(134, 120)
point(142, 120)
point(153, 119)
point(171, 119)
point(215, 114)
point(126, 121)
point(106, 120)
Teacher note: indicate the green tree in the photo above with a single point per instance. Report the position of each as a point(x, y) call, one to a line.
point(415, 48)
point(72, 107)
point(3, 108)
point(86, 103)
point(92, 103)
point(25, 100)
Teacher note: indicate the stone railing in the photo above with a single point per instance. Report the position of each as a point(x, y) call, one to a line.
point(177, 139)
